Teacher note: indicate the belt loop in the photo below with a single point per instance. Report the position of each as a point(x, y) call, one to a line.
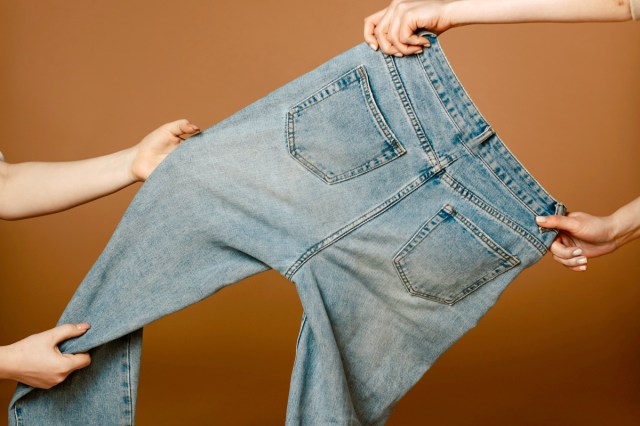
point(561, 210)
point(426, 33)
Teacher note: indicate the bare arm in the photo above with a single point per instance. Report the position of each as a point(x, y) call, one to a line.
point(516, 11)
point(33, 189)
point(392, 29)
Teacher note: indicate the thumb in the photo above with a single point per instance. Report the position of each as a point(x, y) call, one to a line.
point(67, 331)
point(415, 40)
point(78, 361)
point(181, 127)
point(564, 223)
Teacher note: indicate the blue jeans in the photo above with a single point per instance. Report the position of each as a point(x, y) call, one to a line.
point(373, 183)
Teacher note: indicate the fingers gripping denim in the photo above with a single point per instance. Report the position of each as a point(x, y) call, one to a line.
point(373, 183)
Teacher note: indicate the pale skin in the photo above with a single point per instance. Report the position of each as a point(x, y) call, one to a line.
point(392, 30)
point(583, 236)
point(36, 188)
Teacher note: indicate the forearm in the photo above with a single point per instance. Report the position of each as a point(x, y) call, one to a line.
point(626, 223)
point(6, 363)
point(32, 189)
point(465, 12)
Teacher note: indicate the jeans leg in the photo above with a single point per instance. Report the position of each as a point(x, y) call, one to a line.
point(111, 382)
point(171, 249)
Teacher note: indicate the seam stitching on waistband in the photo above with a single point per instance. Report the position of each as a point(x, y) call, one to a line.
point(471, 196)
point(409, 110)
point(508, 187)
point(472, 145)
point(479, 119)
point(440, 96)
point(345, 230)
point(540, 192)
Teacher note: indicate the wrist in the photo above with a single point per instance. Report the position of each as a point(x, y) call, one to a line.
point(454, 13)
point(622, 228)
point(131, 169)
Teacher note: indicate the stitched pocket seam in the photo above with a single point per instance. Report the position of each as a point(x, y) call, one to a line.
point(508, 261)
point(358, 76)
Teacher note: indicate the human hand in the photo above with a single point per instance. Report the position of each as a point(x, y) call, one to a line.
point(582, 236)
point(154, 147)
point(37, 361)
point(393, 29)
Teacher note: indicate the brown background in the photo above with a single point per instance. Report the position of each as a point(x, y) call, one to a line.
point(80, 79)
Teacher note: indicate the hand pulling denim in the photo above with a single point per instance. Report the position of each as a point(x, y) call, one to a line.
point(372, 183)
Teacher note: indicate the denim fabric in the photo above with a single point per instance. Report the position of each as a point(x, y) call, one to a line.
point(373, 183)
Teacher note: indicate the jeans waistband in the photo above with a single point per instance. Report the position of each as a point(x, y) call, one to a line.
point(478, 137)
point(459, 106)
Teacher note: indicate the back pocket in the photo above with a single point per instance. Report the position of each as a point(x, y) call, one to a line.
point(338, 132)
point(449, 258)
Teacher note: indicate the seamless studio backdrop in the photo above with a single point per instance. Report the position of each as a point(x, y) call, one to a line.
point(81, 79)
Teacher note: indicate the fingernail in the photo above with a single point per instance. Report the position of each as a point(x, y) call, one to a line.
point(373, 46)
point(577, 252)
point(541, 219)
point(582, 268)
point(398, 55)
point(419, 52)
point(83, 326)
point(427, 45)
point(582, 261)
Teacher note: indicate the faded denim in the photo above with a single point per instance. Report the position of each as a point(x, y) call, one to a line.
point(373, 183)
